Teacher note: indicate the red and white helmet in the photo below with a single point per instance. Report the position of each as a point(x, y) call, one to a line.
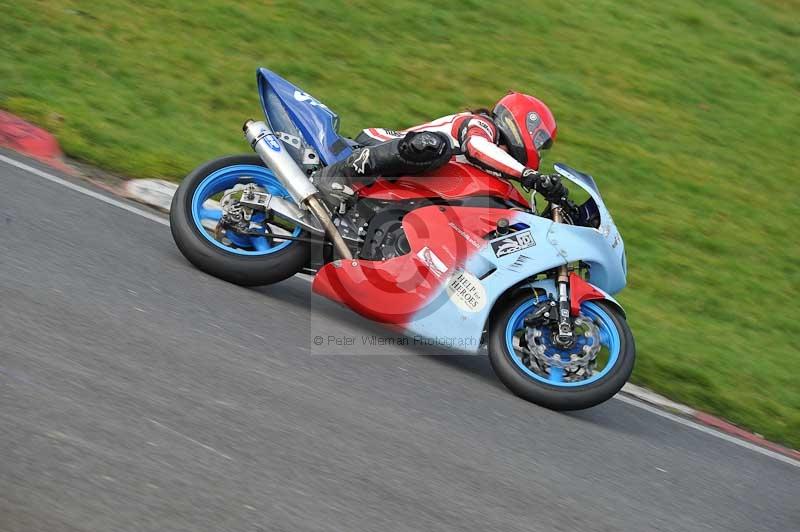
point(526, 127)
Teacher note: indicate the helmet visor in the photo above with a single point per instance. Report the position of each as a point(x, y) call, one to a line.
point(512, 136)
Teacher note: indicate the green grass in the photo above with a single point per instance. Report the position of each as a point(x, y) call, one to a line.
point(687, 114)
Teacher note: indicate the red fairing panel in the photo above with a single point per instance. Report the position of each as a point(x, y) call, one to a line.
point(580, 291)
point(452, 181)
point(393, 291)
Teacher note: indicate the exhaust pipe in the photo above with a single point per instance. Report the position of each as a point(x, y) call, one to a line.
point(270, 149)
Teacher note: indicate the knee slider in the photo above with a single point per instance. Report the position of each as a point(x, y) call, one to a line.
point(425, 146)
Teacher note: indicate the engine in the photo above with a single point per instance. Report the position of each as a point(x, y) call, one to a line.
point(385, 238)
point(379, 226)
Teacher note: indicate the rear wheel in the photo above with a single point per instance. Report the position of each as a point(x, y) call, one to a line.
point(532, 365)
point(225, 252)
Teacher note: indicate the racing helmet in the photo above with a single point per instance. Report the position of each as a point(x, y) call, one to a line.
point(526, 127)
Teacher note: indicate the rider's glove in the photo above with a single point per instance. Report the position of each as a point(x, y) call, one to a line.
point(549, 186)
point(529, 178)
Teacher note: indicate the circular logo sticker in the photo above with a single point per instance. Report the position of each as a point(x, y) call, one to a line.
point(272, 142)
point(532, 121)
point(466, 291)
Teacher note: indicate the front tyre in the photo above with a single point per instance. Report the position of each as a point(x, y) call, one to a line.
point(233, 256)
point(559, 386)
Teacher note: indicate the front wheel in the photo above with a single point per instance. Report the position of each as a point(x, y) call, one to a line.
point(226, 251)
point(531, 364)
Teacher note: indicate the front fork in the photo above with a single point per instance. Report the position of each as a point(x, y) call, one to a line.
point(565, 336)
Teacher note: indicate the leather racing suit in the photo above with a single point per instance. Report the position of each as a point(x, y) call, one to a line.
point(390, 153)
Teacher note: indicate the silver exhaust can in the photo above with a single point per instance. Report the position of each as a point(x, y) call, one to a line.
point(270, 149)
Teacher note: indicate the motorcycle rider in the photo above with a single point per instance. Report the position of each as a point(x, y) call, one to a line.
point(521, 124)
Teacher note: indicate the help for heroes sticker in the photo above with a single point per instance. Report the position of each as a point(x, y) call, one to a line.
point(466, 291)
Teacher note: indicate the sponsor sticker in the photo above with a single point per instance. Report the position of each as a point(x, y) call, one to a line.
point(512, 243)
point(465, 235)
point(301, 96)
point(273, 143)
point(466, 292)
point(484, 126)
point(432, 261)
point(391, 132)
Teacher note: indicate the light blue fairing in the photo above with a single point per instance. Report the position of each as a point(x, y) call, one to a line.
point(556, 244)
point(290, 110)
point(608, 274)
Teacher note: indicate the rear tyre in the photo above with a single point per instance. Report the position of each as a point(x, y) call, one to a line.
point(237, 258)
point(550, 388)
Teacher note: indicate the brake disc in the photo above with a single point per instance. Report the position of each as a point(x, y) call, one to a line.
point(580, 356)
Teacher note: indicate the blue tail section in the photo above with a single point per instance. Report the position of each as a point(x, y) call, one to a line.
point(297, 113)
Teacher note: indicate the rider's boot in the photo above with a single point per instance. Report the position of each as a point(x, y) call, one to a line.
point(336, 189)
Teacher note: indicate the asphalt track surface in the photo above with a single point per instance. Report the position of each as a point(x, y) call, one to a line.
point(137, 393)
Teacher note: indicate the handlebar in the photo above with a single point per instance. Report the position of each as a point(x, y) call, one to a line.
point(551, 188)
point(548, 185)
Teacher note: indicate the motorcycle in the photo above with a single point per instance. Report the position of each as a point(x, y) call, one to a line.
point(455, 253)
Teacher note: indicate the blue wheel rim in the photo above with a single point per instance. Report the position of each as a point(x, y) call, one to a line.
point(609, 338)
point(224, 179)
